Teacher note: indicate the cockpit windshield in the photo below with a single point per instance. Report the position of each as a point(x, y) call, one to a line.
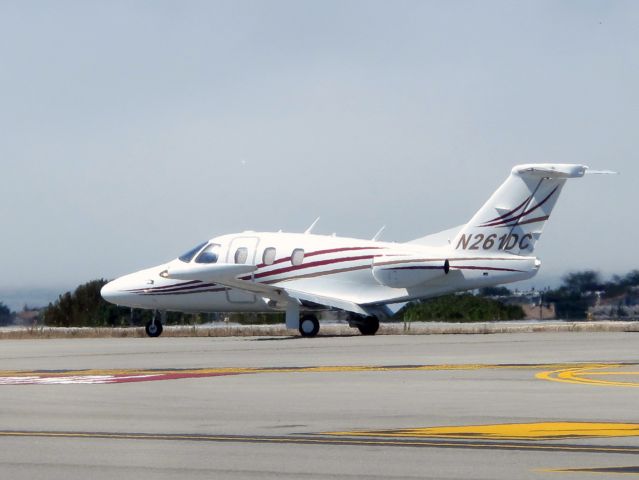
point(188, 256)
point(210, 254)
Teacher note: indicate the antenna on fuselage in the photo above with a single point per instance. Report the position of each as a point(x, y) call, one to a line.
point(379, 232)
point(310, 229)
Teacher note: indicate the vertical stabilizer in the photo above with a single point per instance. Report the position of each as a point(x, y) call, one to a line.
point(514, 216)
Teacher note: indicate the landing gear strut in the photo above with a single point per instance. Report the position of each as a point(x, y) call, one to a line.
point(154, 326)
point(309, 326)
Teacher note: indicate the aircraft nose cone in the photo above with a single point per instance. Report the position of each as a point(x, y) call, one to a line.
point(127, 291)
point(112, 293)
point(108, 292)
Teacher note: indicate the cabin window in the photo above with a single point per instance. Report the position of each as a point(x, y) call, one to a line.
point(209, 255)
point(268, 257)
point(297, 257)
point(188, 256)
point(241, 254)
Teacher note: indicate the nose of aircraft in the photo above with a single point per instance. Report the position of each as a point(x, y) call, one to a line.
point(112, 293)
point(128, 290)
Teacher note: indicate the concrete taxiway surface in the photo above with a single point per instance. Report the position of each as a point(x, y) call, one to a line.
point(541, 405)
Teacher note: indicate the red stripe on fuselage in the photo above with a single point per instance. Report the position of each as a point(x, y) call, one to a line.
point(319, 252)
point(163, 287)
point(472, 267)
point(317, 263)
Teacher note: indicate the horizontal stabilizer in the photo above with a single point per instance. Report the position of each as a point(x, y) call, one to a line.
point(550, 170)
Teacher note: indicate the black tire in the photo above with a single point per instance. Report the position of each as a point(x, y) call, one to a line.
point(153, 330)
point(309, 326)
point(369, 327)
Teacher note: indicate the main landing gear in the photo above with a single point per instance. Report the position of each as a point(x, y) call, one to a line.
point(153, 327)
point(309, 326)
point(366, 325)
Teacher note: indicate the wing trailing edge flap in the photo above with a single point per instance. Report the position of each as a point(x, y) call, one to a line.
point(281, 294)
point(333, 302)
point(227, 276)
point(268, 291)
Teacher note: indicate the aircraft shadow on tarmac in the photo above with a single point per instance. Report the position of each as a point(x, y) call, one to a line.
point(295, 337)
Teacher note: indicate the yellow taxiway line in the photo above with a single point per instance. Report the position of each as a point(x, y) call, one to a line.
point(507, 431)
point(599, 374)
point(309, 369)
point(582, 375)
point(314, 440)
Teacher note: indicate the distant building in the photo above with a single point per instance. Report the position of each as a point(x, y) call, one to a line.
point(28, 317)
point(529, 302)
point(533, 312)
point(622, 307)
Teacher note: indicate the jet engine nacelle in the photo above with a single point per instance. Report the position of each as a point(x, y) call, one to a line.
point(405, 272)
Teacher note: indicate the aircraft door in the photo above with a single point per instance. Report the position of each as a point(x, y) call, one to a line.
point(242, 250)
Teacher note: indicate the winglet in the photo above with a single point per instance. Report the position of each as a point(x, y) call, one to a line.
point(310, 229)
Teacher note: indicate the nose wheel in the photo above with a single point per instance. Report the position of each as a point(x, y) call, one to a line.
point(153, 327)
point(309, 326)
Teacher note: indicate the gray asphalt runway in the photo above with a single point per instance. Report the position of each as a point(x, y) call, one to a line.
point(441, 406)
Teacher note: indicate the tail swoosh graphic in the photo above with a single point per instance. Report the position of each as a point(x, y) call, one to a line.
point(506, 222)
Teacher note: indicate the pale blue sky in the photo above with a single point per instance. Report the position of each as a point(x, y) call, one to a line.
point(132, 130)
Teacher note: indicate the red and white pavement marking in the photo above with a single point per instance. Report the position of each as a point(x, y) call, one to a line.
point(38, 380)
point(58, 378)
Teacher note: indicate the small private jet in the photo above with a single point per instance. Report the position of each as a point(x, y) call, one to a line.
point(303, 273)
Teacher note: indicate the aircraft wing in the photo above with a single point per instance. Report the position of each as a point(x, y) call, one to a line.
point(215, 272)
point(227, 275)
point(329, 301)
point(224, 274)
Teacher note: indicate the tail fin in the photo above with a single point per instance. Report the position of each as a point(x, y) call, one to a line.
point(513, 218)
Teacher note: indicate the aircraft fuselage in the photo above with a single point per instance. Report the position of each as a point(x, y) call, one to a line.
point(363, 272)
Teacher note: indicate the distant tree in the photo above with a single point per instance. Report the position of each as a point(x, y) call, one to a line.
point(494, 292)
point(6, 317)
point(84, 307)
point(462, 308)
point(576, 294)
point(582, 282)
point(631, 279)
point(621, 311)
point(569, 305)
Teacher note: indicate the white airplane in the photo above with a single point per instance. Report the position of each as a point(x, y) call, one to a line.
point(300, 274)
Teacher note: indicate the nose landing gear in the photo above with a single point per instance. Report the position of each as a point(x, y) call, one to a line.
point(154, 327)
